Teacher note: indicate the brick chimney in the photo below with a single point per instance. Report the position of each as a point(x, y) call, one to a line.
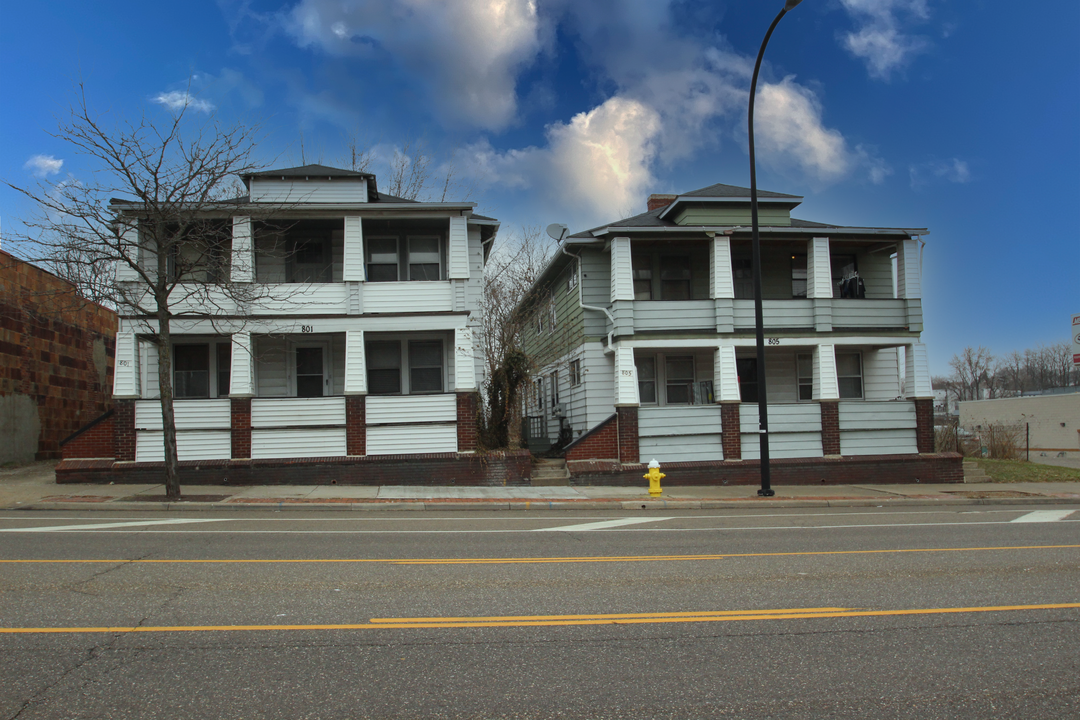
point(658, 201)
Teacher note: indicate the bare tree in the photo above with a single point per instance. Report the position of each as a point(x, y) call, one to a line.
point(972, 368)
point(411, 171)
point(171, 239)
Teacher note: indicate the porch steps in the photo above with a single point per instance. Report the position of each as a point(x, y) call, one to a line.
point(550, 471)
point(975, 474)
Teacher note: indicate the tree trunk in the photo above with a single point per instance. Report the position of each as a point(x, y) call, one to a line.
point(168, 417)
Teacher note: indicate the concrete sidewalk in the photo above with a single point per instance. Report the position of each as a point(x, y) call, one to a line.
point(34, 487)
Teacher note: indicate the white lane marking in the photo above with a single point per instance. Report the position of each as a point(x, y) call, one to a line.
point(1041, 516)
point(103, 526)
point(587, 527)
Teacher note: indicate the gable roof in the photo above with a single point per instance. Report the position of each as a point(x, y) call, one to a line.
point(321, 171)
point(734, 191)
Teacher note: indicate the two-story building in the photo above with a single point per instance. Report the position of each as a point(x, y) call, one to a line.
point(645, 332)
point(356, 362)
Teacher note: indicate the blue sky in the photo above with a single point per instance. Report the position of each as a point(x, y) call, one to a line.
point(962, 116)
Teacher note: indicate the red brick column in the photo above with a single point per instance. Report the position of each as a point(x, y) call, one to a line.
point(924, 424)
point(628, 434)
point(466, 421)
point(730, 435)
point(355, 425)
point(830, 427)
point(124, 430)
point(241, 427)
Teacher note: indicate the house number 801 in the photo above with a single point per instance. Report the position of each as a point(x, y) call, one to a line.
point(307, 328)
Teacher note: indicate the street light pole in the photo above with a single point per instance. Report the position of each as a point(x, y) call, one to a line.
point(759, 320)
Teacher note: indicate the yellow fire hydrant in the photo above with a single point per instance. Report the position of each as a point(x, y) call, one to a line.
point(654, 476)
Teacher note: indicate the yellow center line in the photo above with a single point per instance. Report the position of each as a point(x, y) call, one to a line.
point(555, 620)
point(540, 560)
point(609, 616)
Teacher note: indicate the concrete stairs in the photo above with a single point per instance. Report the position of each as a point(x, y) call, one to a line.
point(975, 474)
point(550, 471)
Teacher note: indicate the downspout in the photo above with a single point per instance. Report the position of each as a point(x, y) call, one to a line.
point(581, 302)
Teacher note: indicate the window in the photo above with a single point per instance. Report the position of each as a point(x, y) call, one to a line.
point(849, 375)
point(383, 367)
point(224, 368)
point(310, 260)
point(424, 258)
point(742, 270)
point(748, 383)
point(425, 366)
point(199, 261)
point(575, 373)
point(382, 259)
point(553, 319)
point(646, 372)
point(674, 277)
point(642, 265)
point(554, 389)
point(309, 371)
point(422, 372)
point(191, 371)
point(539, 322)
point(572, 281)
point(679, 374)
point(805, 374)
point(540, 395)
point(798, 276)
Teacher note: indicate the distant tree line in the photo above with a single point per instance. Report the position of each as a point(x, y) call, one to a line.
point(980, 375)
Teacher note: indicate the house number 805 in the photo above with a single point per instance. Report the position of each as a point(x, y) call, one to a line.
point(306, 328)
point(774, 341)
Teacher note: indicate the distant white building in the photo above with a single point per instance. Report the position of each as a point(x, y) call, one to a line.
point(1053, 420)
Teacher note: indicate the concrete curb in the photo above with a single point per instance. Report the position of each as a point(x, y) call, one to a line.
point(364, 505)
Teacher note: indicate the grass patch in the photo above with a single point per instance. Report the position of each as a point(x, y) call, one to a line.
point(1019, 471)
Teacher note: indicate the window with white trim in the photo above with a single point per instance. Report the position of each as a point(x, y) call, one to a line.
point(572, 281)
point(679, 379)
point(201, 370)
point(849, 375)
point(393, 258)
point(804, 364)
point(575, 373)
point(405, 366)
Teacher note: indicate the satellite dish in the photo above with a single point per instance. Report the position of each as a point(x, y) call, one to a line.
point(557, 231)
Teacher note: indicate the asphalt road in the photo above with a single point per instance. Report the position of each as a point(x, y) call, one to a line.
point(967, 612)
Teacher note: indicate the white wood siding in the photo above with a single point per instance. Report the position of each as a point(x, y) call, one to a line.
point(622, 275)
point(126, 374)
point(776, 313)
point(781, 377)
point(826, 383)
point(187, 414)
point(794, 431)
point(242, 370)
point(597, 384)
point(881, 374)
point(355, 365)
point(129, 238)
point(384, 410)
point(626, 381)
point(818, 269)
point(908, 277)
point(295, 190)
point(151, 383)
point(401, 297)
point(725, 374)
point(653, 315)
point(325, 442)
point(297, 412)
point(304, 299)
point(685, 433)
point(270, 370)
point(459, 248)
point(353, 257)
point(877, 428)
point(190, 445)
point(411, 439)
point(917, 375)
point(722, 281)
point(243, 251)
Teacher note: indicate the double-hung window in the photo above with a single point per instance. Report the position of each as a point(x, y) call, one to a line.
point(382, 259)
point(679, 379)
point(575, 373)
point(646, 373)
point(642, 267)
point(849, 375)
point(425, 366)
point(398, 367)
point(425, 260)
point(674, 277)
point(798, 276)
point(191, 371)
point(804, 364)
point(310, 260)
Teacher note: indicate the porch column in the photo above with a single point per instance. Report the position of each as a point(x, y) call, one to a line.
point(722, 285)
point(626, 404)
point(827, 393)
point(819, 287)
point(909, 282)
point(458, 256)
point(917, 387)
point(243, 250)
point(241, 390)
point(355, 394)
point(352, 271)
point(465, 387)
point(129, 246)
point(126, 372)
point(726, 393)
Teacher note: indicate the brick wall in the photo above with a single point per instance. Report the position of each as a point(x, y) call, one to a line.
point(466, 421)
point(830, 427)
point(56, 349)
point(924, 425)
point(600, 442)
point(95, 441)
point(240, 413)
point(124, 430)
point(730, 438)
point(875, 469)
point(356, 425)
point(490, 469)
point(628, 434)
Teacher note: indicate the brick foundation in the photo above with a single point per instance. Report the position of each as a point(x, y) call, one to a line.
point(96, 440)
point(830, 428)
point(356, 425)
point(924, 425)
point(491, 469)
point(730, 426)
point(628, 434)
point(600, 442)
point(466, 421)
point(124, 424)
point(240, 412)
point(867, 469)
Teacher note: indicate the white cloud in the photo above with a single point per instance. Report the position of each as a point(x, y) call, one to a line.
point(879, 38)
point(953, 170)
point(468, 51)
point(177, 100)
point(788, 129)
point(44, 165)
